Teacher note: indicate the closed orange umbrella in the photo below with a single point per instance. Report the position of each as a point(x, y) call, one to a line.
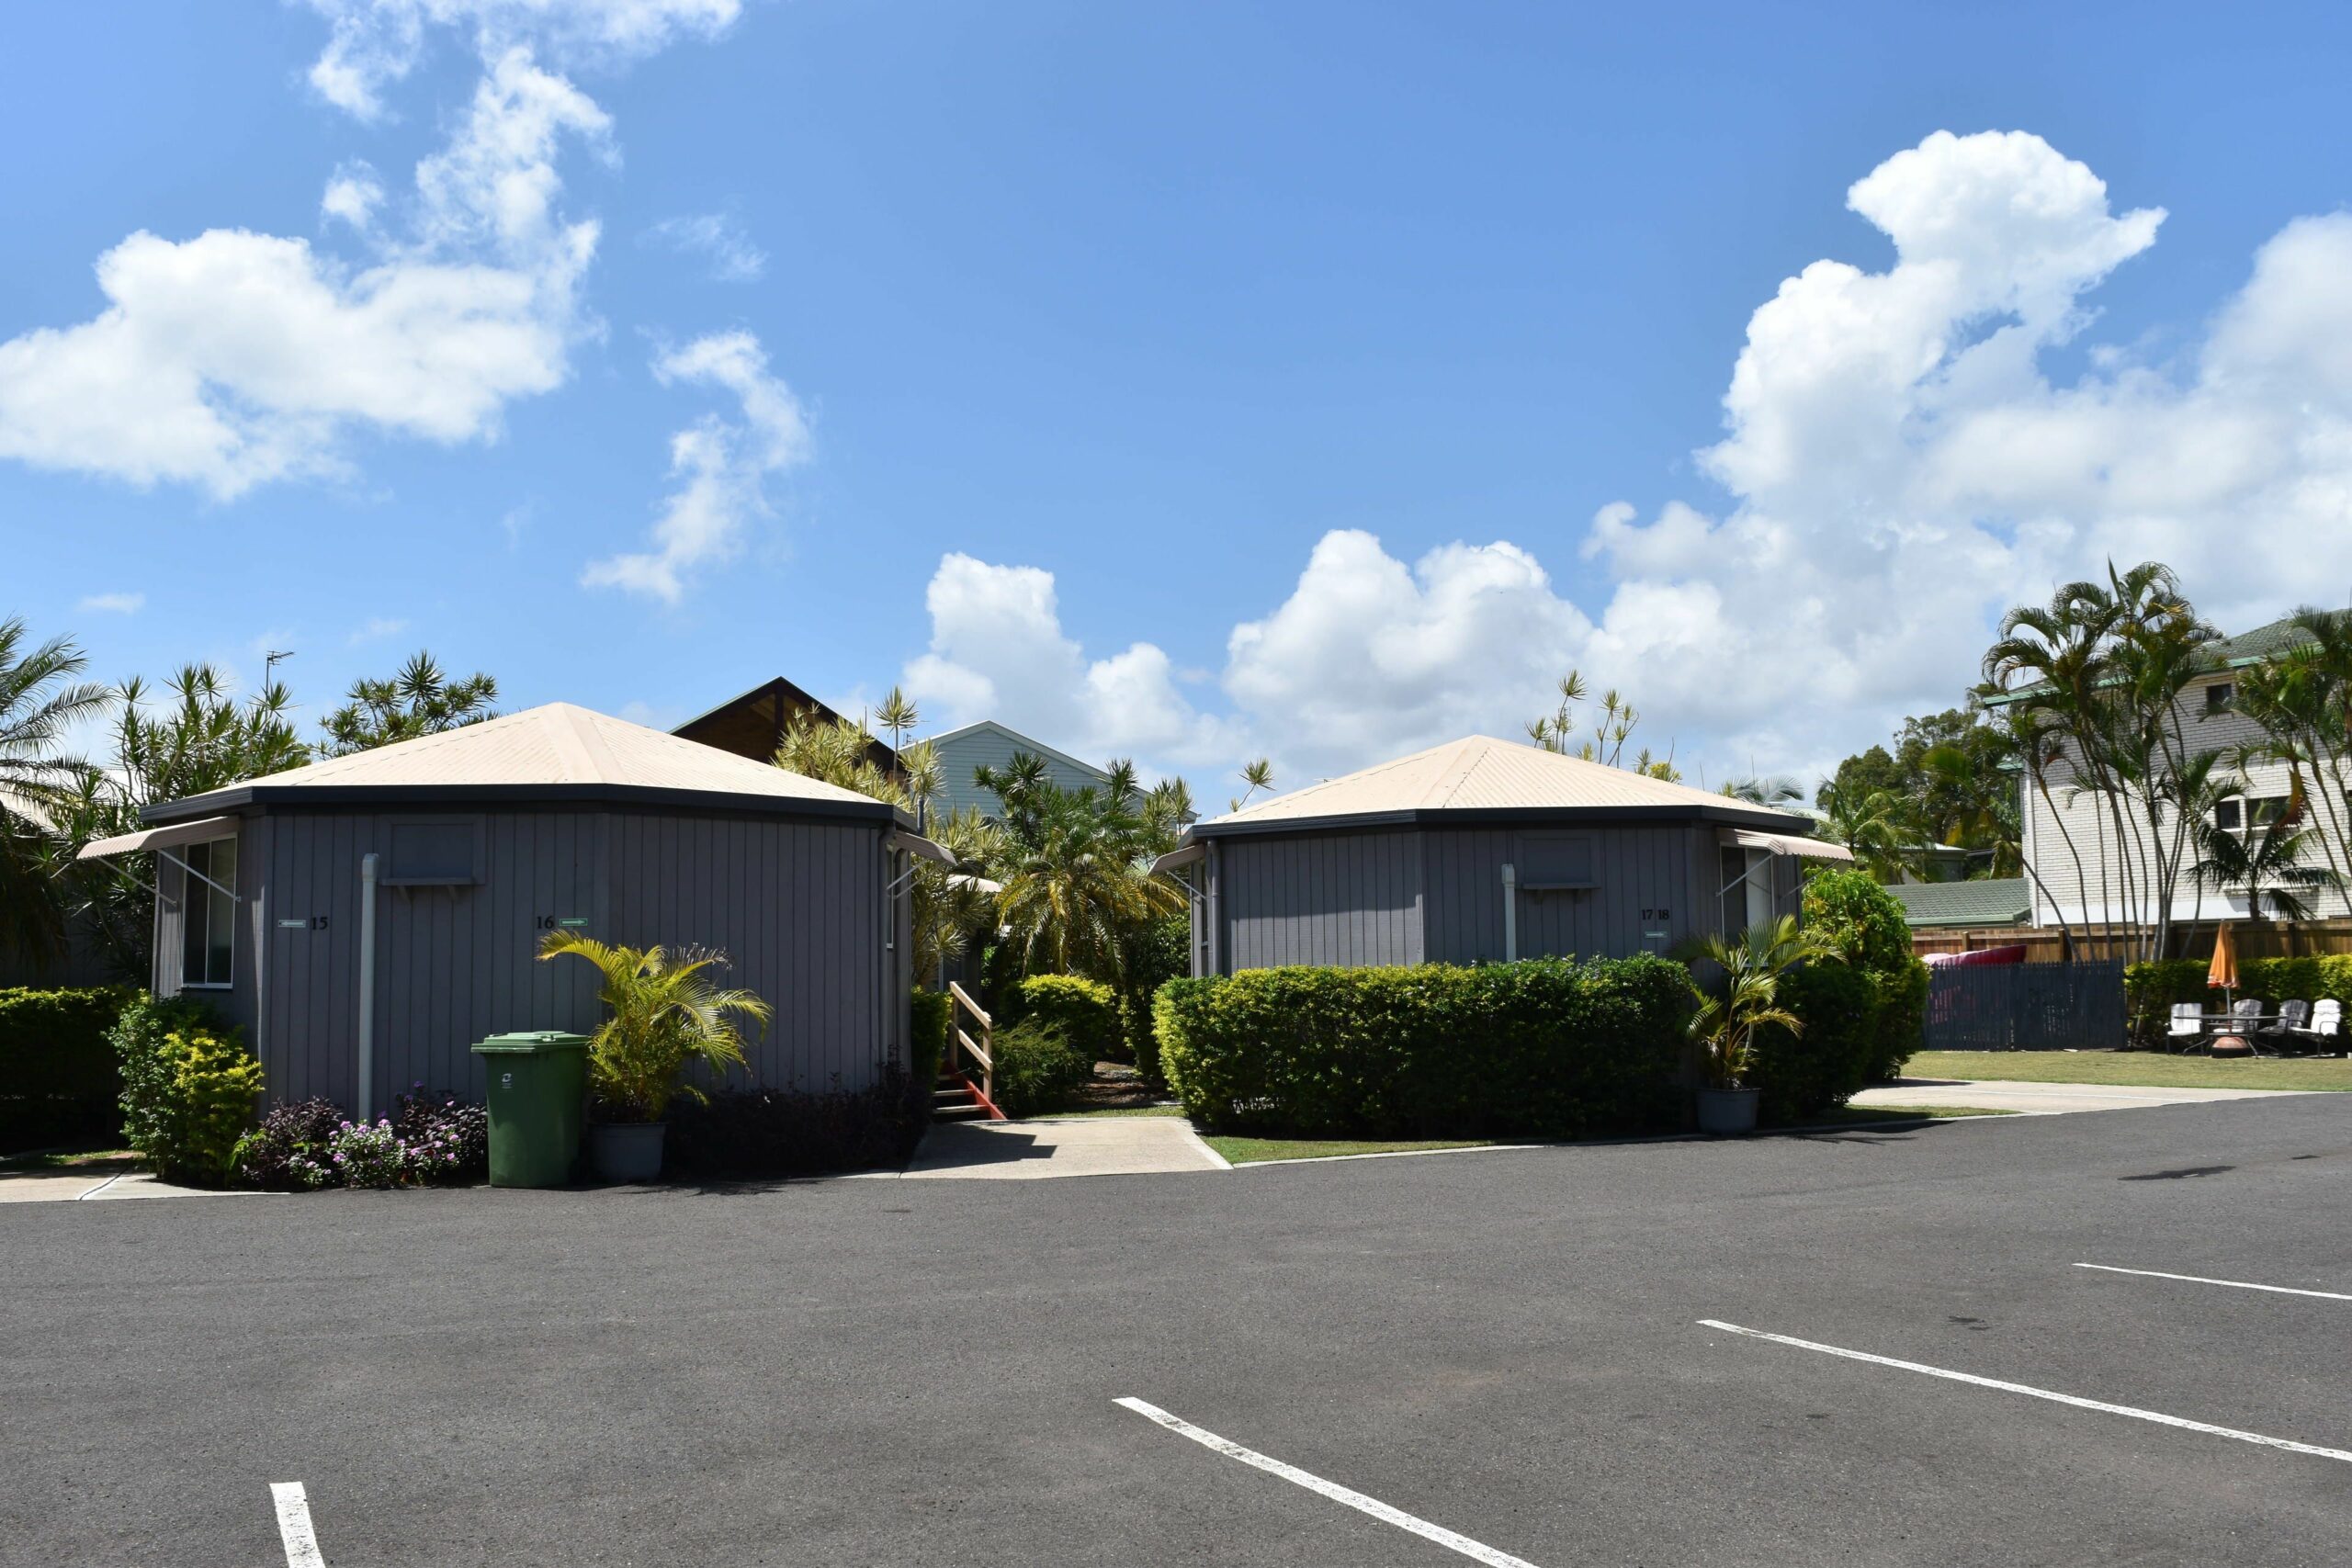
point(2223, 971)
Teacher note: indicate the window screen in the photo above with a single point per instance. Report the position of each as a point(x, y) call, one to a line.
point(208, 916)
point(1554, 859)
point(434, 851)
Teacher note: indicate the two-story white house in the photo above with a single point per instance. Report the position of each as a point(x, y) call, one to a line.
point(2081, 864)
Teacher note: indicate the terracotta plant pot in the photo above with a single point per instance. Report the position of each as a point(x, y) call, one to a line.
point(625, 1151)
point(1728, 1112)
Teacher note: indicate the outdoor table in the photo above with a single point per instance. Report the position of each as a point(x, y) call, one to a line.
point(2237, 1026)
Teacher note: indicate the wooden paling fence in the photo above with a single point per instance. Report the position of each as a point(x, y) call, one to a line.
point(2025, 1006)
point(2048, 944)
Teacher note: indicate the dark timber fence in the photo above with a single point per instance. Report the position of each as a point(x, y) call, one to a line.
point(2025, 1006)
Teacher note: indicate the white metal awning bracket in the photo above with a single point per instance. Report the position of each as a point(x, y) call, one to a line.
point(191, 871)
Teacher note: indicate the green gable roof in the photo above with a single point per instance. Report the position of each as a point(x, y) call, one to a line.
point(1989, 901)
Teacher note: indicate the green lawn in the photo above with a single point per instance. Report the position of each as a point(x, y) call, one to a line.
point(1124, 1110)
point(71, 1159)
point(2146, 1068)
point(1257, 1151)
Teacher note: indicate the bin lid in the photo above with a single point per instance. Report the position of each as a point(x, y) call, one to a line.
point(531, 1043)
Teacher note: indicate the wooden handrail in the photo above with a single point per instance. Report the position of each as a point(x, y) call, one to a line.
point(982, 1050)
point(957, 991)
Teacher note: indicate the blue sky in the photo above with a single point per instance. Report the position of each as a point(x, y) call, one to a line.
point(1182, 307)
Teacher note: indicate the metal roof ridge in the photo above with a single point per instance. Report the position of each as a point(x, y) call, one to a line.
point(577, 737)
point(1469, 752)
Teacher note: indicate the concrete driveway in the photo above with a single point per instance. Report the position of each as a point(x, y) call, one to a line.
point(2001, 1094)
point(1061, 1146)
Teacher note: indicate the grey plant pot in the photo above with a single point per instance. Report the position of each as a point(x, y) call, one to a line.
point(625, 1151)
point(1728, 1112)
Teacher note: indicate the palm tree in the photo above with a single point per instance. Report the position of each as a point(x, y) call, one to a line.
point(1758, 790)
point(2266, 858)
point(666, 1013)
point(41, 699)
point(1868, 822)
point(1075, 882)
point(1258, 775)
point(419, 699)
point(2302, 698)
point(1745, 996)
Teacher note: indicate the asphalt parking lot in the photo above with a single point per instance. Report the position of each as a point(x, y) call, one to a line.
point(1408, 1361)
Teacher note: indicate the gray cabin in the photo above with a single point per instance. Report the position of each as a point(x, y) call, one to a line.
point(1482, 850)
point(422, 876)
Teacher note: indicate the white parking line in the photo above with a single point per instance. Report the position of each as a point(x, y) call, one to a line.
point(294, 1525)
point(1338, 1493)
point(2076, 1400)
point(2234, 1284)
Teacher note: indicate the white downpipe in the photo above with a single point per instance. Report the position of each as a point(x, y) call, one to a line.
point(1510, 913)
point(367, 987)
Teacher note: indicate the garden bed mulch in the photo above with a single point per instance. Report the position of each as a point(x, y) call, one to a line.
point(1115, 1086)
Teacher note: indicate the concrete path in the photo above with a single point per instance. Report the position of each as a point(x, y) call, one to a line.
point(100, 1186)
point(1061, 1146)
point(1998, 1094)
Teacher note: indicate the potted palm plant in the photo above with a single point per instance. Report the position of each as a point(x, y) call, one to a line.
point(666, 1011)
point(1743, 998)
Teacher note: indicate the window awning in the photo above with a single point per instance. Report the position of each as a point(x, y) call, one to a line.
point(919, 847)
point(195, 832)
point(1786, 844)
point(1175, 859)
point(977, 884)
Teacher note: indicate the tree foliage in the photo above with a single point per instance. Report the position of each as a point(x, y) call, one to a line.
point(418, 699)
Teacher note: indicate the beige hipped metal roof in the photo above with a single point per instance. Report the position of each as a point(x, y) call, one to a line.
point(552, 747)
point(1480, 773)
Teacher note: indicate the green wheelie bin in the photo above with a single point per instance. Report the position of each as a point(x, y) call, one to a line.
point(539, 1089)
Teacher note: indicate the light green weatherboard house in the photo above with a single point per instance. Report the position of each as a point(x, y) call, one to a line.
point(992, 745)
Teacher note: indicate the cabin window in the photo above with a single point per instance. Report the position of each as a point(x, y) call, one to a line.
point(1749, 877)
point(2220, 696)
point(209, 916)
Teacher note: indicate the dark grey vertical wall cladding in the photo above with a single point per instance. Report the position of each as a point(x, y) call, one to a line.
point(797, 905)
point(1635, 897)
point(798, 908)
point(454, 964)
point(1353, 898)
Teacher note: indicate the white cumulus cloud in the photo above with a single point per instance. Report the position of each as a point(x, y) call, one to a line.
point(234, 358)
point(721, 465)
point(115, 604)
point(1901, 462)
point(720, 238)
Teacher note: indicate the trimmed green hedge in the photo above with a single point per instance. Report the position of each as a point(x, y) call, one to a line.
point(58, 1077)
point(1902, 1025)
point(1858, 918)
point(188, 1087)
point(1086, 1012)
point(1806, 1073)
point(1544, 1048)
point(1038, 1067)
point(927, 1040)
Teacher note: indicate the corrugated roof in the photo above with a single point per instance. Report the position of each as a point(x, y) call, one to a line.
point(1987, 901)
point(558, 747)
point(1482, 773)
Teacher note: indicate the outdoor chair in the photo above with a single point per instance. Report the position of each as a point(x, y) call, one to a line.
point(2287, 1029)
point(2325, 1033)
point(2187, 1028)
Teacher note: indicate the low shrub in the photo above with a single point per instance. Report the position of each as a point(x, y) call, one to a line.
point(927, 1040)
point(2151, 989)
point(448, 1138)
point(1856, 917)
point(188, 1088)
point(290, 1150)
point(745, 1133)
point(1541, 1048)
point(1806, 1072)
point(59, 1082)
point(1038, 1067)
point(1901, 1023)
point(370, 1155)
point(1086, 1012)
point(1160, 952)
